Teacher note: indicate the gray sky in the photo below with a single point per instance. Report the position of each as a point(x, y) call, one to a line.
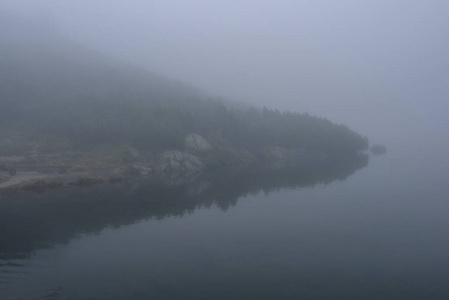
point(377, 66)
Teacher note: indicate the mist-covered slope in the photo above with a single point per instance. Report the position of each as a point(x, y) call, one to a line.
point(62, 96)
point(37, 64)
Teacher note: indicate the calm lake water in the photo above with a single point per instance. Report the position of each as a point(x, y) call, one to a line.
point(376, 230)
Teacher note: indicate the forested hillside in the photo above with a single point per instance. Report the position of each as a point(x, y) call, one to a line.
point(61, 96)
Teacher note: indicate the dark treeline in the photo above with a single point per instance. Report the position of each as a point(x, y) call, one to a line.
point(92, 122)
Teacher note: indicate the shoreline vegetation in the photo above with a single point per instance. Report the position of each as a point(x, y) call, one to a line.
point(38, 172)
point(71, 116)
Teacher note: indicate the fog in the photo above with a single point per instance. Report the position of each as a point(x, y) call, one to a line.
point(130, 169)
point(381, 67)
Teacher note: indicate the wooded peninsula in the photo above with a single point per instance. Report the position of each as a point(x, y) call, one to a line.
point(66, 110)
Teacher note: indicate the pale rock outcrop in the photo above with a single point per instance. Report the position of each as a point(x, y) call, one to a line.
point(196, 143)
point(180, 162)
point(143, 170)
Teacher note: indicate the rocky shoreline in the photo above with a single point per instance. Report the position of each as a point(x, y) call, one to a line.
point(18, 173)
point(38, 171)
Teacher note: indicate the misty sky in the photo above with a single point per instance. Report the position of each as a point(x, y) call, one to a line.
point(376, 66)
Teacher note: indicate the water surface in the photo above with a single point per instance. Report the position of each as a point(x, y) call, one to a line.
point(376, 233)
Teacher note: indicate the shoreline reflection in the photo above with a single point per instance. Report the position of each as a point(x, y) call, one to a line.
point(30, 222)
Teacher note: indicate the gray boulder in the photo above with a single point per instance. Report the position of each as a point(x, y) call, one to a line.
point(196, 143)
point(180, 162)
point(143, 170)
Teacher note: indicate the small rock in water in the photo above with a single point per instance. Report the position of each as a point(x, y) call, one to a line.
point(378, 149)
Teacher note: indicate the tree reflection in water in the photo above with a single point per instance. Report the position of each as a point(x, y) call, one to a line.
point(29, 221)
